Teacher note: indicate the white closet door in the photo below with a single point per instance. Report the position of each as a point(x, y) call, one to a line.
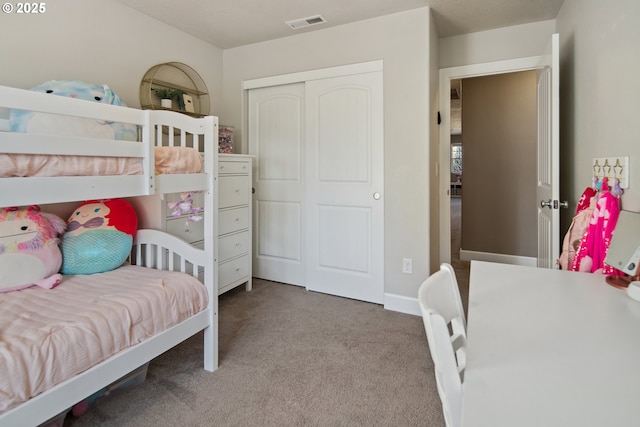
point(344, 186)
point(276, 133)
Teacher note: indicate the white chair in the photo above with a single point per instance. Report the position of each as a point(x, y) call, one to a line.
point(445, 325)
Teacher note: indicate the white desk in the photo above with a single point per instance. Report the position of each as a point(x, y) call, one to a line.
point(550, 348)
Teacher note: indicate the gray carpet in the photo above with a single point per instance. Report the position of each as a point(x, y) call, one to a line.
point(288, 357)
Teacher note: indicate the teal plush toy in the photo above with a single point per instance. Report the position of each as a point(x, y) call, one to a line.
point(54, 124)
point(98, 237)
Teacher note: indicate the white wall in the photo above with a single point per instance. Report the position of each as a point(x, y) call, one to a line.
point(599, 87)
point(98, 42)
point(600, 91)
point(519, 41)
point(403, 41)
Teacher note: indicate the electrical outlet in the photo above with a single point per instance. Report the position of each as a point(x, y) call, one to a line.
point(407, 265)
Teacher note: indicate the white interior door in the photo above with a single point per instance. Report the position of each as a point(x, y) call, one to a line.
point(344, 186)
point(276, 138)
point(548, 185)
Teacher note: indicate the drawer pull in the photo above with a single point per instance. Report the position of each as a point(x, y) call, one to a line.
point(237, 219)
point(238, 269)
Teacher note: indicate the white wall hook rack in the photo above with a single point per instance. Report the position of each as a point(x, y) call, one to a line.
point(612, 168)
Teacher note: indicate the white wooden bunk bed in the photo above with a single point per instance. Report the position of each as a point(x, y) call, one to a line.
point(152, 248)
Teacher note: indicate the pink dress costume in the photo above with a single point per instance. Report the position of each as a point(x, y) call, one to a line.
point(595, 242)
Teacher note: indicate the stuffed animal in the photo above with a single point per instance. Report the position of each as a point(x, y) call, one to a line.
point(29, 253)
point(54, 124)
point(99, 236)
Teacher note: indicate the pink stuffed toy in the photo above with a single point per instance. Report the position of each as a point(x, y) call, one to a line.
point(29, 253)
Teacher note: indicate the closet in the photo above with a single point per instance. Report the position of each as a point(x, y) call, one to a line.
point(319, 208)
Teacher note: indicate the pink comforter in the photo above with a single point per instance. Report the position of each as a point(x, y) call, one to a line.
point(47, 336)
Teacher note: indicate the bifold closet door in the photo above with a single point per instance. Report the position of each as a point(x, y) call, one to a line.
point(276, 138)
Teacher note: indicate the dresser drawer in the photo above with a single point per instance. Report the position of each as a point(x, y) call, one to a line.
point(186, 230)
point(233, 167)
point(234, 191)
point(232, 245)
point(230, 220)
point(232, 271)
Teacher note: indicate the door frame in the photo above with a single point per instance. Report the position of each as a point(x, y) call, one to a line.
point(442, 166)
point(321, 73)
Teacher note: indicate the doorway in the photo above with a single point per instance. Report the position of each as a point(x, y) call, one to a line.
point(447, 76)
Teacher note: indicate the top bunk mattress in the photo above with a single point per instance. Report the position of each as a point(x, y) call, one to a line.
point(47, 336)
point(168, 160)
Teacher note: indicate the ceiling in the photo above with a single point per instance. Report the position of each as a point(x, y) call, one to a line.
point(232, 23)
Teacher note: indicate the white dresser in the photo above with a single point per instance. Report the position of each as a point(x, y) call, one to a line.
point(234, 221)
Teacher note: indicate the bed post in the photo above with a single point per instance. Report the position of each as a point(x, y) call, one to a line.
point(148, 138)
point(211, 241)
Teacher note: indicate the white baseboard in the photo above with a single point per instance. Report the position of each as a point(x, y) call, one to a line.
point(402, 304)
point(466, 255)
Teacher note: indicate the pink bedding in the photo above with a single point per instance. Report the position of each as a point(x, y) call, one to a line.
point(47, 336)
point(169, 160)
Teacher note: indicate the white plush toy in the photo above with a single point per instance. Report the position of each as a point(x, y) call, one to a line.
point(29, 252)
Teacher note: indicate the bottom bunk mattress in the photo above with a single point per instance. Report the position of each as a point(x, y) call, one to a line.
point(168, 160)
point(47, 336)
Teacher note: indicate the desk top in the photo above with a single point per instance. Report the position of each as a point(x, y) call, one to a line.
point(550, 348)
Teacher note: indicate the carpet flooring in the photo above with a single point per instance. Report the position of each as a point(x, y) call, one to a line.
point(289, 357)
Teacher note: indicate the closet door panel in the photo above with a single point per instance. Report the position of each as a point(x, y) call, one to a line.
point(344, 176)
point(276, 138)
point(280, 230)
point(344, 154)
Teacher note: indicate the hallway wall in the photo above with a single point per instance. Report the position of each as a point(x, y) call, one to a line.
point(499, 119)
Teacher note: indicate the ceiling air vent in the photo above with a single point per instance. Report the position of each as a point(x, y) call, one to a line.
point(296, 24)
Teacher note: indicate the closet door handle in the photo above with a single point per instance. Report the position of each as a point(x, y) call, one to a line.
point(376, 196)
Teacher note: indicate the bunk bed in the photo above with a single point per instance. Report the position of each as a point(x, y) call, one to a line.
point(153, 250)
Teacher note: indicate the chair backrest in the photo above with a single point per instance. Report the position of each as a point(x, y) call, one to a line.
point(448, 379)
point(445, 325)
point(444, 295)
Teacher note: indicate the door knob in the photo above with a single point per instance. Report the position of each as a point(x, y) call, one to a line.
point(547, 204)
point(553, 204)
point(376, 196)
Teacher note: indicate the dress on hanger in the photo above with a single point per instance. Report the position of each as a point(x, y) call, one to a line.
point(595, 242)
